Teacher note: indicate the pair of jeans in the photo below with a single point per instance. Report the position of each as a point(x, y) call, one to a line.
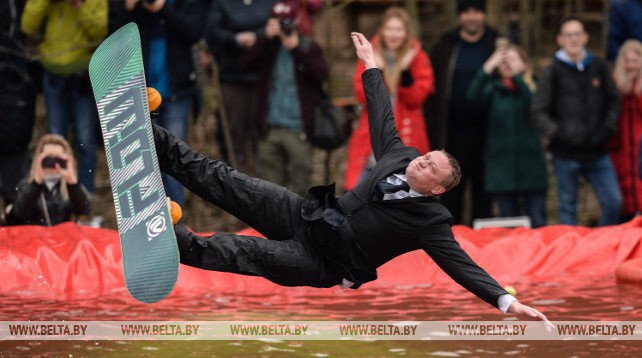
point(69, 100)
point(533, 203)
point(174, 115)
point(600, 174)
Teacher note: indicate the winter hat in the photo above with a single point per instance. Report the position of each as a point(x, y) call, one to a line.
point(283, 8)
point(463, 5)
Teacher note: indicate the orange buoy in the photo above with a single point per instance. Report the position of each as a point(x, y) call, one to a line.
point(154, 99)
point(175, 211)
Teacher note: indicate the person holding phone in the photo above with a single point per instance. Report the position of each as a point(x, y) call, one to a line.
point(51, 194)
point(514, 162)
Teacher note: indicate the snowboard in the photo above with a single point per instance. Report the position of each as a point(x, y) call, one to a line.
point(148, 243)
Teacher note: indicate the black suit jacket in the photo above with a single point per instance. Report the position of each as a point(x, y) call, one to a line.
point(373, 231)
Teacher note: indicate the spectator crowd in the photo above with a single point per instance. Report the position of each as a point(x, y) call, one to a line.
point(474, 94)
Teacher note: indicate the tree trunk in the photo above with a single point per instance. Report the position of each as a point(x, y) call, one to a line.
point(568, 7)
point(413, 11)
point(450, 8)
point(537, 33)
point(606, 22)
point(525, 25)
point(496, 18)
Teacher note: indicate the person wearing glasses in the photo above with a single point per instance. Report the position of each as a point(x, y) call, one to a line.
point(576, 109)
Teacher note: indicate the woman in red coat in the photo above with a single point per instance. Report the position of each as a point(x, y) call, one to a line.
point(627, 75)
point(409, 78)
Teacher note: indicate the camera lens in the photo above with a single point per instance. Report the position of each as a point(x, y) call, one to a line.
point(287, 25)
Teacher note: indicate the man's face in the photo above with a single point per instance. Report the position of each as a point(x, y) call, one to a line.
point(427, 173)
point(472, 20)
point(572, 38)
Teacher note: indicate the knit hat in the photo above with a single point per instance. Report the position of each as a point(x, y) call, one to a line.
point(463, 5)
point(283, 8)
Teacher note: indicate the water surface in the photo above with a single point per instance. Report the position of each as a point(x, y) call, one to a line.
point(600, 299)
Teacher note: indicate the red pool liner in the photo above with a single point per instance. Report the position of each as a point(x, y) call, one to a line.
point(630, 272)
point(69, 261)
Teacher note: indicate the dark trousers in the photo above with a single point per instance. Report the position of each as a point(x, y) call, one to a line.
point(469, 151)
point(533, 203)
point(287, 257)
point(240, 106)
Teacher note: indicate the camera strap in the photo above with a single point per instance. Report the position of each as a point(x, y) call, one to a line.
point(45, 209)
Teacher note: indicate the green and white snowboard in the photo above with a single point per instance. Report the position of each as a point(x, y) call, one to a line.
point(148, 243)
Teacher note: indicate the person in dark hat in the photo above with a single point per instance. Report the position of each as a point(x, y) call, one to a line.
point(455, 123)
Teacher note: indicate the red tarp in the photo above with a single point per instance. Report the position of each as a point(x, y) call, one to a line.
point(70, 261)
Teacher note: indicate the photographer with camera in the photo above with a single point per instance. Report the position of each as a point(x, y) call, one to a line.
point(291, 66)
point(51, 194)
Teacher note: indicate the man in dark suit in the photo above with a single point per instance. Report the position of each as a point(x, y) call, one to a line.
point(320, 240)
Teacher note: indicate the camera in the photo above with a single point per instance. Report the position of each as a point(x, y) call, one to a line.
point(287, 25)
point(50, 162)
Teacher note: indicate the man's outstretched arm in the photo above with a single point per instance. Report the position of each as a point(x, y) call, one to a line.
point(383, 133)
point(441, 246)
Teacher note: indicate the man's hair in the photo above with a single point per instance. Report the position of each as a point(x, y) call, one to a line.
point(455, 173)
point(464, 5)
point(567, 19)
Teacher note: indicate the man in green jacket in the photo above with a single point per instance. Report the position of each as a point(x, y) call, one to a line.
point(72, 31)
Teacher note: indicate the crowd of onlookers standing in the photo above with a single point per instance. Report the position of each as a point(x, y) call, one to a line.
point(474, 94)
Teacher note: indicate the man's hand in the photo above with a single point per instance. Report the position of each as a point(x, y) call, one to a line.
point(272, 28)
point(364, 50)
point(526, 313)
point(246, 39)
point(154, 7)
